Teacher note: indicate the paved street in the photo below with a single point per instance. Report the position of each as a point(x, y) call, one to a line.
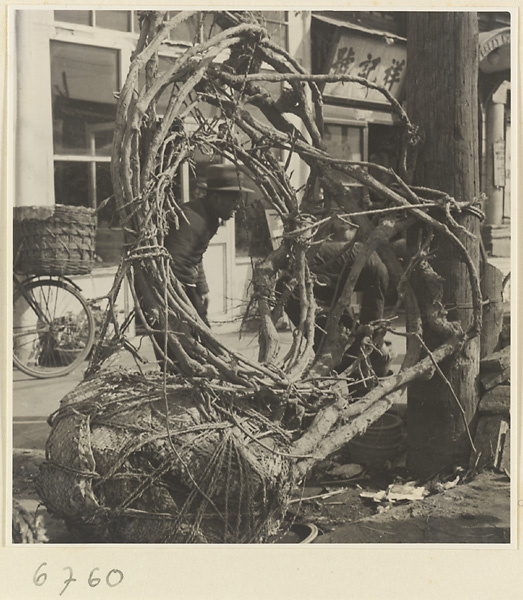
point(473, 516)
point(35, 399)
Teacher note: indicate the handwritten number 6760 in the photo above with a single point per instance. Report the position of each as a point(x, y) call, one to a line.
point(113, 578)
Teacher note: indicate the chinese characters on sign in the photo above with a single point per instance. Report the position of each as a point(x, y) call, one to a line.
point(492, 41)
point(371, 58)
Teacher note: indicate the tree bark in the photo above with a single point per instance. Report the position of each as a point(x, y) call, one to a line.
point(442, 56)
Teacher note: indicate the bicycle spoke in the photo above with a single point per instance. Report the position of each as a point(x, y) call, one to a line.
point(32, 331)
point(58, 331)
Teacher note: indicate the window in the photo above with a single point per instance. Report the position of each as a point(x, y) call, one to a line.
point(196, 29)
point(252, 237)
point(80, 17)
point(202, 26)
point(117, 20)
point(385, 145)
point(277, 26)
point(83, 81)
point(347, 142)
point(251, 230)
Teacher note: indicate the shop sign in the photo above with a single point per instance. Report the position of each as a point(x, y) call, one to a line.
point(380, 60)
point(494, 50)
point(497, 39)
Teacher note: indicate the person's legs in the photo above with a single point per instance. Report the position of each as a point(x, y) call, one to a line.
point(293, 310)
point(373, 283)
point(159, 338)
point(197, 301)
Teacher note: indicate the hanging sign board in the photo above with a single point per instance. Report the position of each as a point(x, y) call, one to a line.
point(378, 59)
point(275, 225)
point(499, 163)
point(494, 50)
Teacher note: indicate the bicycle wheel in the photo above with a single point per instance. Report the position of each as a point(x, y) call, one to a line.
point(53, 329)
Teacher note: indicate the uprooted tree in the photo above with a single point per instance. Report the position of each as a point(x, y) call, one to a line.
point(210, 448)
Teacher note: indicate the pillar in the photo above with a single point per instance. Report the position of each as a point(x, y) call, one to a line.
point(33, 128)
point(300, 48)
point(495, 234)
point(33, 177)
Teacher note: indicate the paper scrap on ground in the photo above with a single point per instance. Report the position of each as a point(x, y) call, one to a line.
point(398, 492)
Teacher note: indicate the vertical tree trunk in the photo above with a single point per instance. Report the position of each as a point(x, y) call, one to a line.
point(442, 57)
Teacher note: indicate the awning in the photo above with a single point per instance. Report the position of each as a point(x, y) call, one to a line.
point(391, 37)
point(494, 50)
point(333, 113)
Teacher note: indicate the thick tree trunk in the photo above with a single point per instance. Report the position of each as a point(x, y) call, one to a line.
point(442, 100)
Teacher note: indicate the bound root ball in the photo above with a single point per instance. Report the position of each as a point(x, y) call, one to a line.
point(130, 460)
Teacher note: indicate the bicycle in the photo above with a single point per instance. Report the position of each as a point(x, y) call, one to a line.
point(53, 326)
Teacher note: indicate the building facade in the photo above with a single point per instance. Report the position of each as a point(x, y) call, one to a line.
point(69, 65)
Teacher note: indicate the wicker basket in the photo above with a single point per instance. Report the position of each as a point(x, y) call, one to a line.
point(127, 464)
point(62, 243)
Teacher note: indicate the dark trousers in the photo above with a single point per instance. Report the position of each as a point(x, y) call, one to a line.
point(197, 301)
point(372, 282)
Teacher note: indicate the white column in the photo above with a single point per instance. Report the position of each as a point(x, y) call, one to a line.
point(495, 135)
point(34, 182)
point(300, 50)
point(508, 156)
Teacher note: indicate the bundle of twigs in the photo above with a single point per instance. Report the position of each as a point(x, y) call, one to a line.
point(226, 72)
point(148, 153)
point(133, 459)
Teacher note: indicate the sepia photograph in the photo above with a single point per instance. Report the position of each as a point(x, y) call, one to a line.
point(261, 272)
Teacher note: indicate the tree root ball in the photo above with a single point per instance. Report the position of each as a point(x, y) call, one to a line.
point(133, 459)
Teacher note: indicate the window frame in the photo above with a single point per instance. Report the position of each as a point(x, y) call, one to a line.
point(93, 158)
point(124, 44)
point(285, 23)
point(364, 140)
point(92, 21)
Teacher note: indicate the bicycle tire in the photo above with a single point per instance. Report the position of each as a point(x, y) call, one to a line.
point(65, 319)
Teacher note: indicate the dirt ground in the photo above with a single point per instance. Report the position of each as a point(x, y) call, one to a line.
point(459, 508)
point(467, 512)
point(476, 512)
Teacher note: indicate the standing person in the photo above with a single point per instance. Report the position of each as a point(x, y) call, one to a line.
point(330, 267)
point(332, 263)
point(188, 243)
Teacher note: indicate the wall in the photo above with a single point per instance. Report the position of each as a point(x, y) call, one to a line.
point(33, 170)
point(34, 136)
